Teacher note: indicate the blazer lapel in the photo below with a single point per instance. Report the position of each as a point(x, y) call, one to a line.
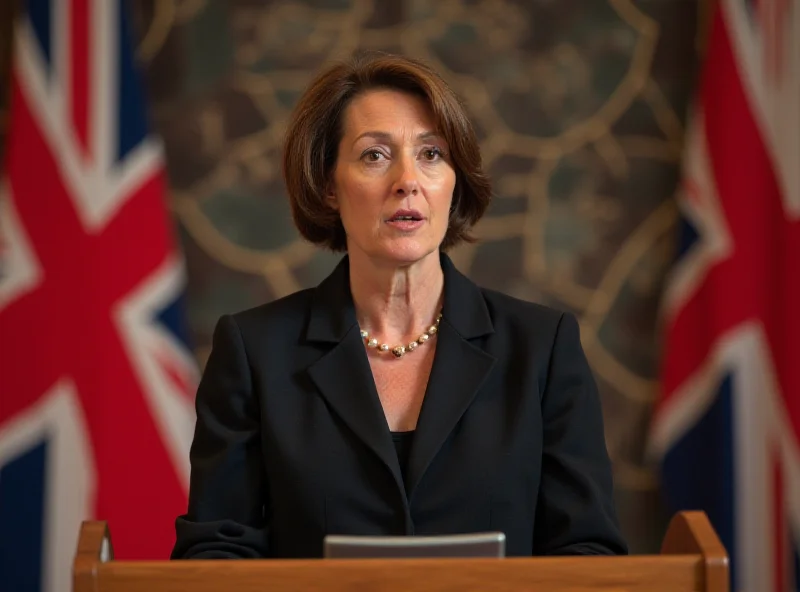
point(459, 369)
point(343, 375)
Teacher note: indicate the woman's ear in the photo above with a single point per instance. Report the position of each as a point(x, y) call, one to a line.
point(330, 196)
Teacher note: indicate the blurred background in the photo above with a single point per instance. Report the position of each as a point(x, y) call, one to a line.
point(581, 108)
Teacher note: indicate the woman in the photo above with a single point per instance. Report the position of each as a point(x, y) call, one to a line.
point(397, 397)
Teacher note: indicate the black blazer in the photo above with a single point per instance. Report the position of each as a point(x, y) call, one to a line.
point(291, 442)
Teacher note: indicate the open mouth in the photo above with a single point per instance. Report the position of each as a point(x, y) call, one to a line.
point(406, 221)
point(405, 217)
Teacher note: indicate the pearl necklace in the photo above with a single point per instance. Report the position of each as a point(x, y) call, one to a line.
point(400, 350)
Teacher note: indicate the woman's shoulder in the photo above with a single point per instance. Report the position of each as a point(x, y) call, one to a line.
point(504, 307)
point(527, 326)
point(281, 313)
point(530, 321)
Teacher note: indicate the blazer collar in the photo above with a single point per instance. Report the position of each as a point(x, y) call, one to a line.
point(344, 377)
point(333, 311)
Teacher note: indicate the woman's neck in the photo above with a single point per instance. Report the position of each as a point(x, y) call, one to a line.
point(394, 303)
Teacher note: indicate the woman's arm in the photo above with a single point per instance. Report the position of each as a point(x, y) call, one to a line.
point(575, 513)
point(227, 495)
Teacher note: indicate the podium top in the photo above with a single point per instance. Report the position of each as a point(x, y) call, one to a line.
point(692, 558)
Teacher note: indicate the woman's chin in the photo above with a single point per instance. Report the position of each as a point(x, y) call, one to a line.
point(406, 252)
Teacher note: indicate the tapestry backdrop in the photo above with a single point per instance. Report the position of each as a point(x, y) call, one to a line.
point(580, 108)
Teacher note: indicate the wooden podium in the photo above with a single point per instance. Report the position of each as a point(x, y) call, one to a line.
point(692, 558)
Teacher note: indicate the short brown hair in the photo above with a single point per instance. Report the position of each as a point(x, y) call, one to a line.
point(315, 130)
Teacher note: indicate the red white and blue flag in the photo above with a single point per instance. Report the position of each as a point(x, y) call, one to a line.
point(727, 427)
point(96, 380)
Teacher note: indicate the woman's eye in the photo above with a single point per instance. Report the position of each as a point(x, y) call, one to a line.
point(431, 153)
point(373, 155)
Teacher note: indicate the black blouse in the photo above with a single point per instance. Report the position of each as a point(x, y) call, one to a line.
point(402, 445)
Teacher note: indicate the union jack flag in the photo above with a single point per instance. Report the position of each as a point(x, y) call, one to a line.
point(96, 380)
point(727, 426)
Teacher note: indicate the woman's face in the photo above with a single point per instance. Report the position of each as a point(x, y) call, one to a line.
point(394, 180)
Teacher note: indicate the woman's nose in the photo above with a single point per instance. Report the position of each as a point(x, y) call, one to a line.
point(406, 183)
